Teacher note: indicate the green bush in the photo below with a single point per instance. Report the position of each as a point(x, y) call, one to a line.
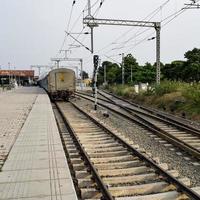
point(166, 87)
point(122, 90)
point(192, 93)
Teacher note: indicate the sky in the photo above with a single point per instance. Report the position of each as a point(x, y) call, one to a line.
point(32, 31)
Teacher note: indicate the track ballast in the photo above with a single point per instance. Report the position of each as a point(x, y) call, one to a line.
point(106, 165)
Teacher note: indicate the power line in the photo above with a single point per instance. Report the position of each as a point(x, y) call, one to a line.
point(78, 42)
point(172, 16)
point(98, 8)
point(94, 4)
point(177, 12)
point(149, 15)
point(68, 24)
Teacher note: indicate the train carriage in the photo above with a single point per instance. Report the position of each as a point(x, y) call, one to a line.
point(59, 83)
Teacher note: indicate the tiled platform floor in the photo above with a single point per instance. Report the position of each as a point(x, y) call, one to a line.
point(36, 167)
point(15, 106)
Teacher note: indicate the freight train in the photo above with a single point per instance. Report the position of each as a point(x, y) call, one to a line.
point(60, 83)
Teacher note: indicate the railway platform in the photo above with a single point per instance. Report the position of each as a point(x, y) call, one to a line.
point(36, 167)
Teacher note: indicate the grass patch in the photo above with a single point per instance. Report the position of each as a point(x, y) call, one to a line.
point(122, 90)
point(176, 97)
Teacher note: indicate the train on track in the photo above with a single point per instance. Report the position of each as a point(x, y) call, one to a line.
point(60, 83)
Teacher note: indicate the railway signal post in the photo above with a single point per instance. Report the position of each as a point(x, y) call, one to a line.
point(96, 63)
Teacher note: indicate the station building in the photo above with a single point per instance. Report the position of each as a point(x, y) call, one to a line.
point(21, 77)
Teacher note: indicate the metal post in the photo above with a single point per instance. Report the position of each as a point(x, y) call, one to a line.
point(95, 91)
point(57, 63)
point(89, 8)
point(131, 74)
point(91, 27)
point(9, 73)
point(105, 81)
point(94, 22)
point(92, 39)
point(122, 68)
point(96, 64)
point(81, 61)
point(157, 27)
point(77, 72)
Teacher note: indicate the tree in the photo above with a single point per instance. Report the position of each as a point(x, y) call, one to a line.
point(187, 71)
point(192, 65)
point(130, 64)
point(174, 71)
point(85, 75)
point(113, 72)
point(148, 73)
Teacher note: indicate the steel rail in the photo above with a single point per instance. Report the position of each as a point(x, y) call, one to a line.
point(193, 150)
point(169, 178)
point(186, 126)
point(152, 114)
point(103, 188)
point(151, 127)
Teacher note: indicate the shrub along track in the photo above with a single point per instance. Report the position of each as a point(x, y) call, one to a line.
point(171, 130)
point(104, 164)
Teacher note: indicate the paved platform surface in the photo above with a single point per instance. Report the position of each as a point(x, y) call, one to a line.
point(15, 106)
point(36, 167)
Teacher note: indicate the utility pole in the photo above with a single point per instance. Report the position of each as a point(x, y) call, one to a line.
point(90, 21)
point(158, 27)
point(104, 68)
point(9, 72)
point(91, 26)
point(57, 62)
point(96, 63)
point(131, 74)
point(81, 61)
point(122, 68)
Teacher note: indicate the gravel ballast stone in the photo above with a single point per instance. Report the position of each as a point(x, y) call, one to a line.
point(184, 164)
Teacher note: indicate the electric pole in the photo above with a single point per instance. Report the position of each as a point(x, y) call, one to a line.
point(9, 72)
point(131, 74)
point(104, 68)
point(96, 63)
point(93, 22)
point(158, 27)
point(91, 26)
point(122, 68)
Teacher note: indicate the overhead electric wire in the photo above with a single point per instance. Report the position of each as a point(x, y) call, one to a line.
point(98, 8)
point(77, 19)
point(94, 4)
point(112, 59)
point(68, 24)
point(149, 15)
point(177, 13)
point(84, 37)
point(170, 17)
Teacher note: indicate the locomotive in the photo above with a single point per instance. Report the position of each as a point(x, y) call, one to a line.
point(59, 83)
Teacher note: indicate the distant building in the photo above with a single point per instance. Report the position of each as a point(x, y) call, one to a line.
point(21, 77)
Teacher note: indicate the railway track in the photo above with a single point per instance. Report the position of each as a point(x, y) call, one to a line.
point(181, 135)
point(106, 166)
point(174, 119)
